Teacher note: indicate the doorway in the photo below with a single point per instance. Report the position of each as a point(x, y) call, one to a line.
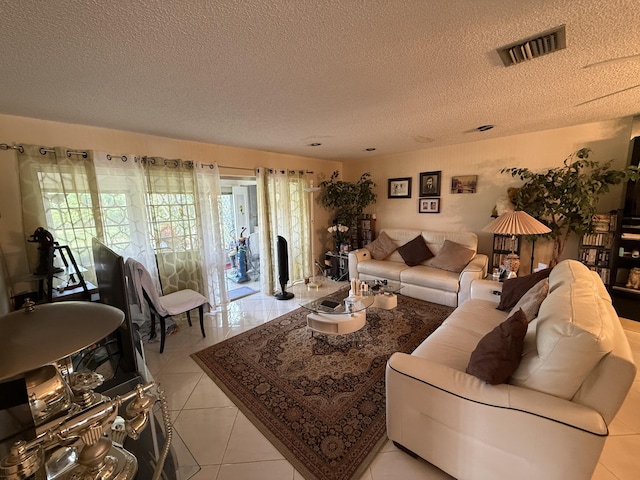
point(241, 239)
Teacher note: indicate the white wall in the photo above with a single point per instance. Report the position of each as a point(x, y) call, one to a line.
point(39, 132)
point(485, 158)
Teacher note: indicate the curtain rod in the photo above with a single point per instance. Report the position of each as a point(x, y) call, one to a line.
point(233, 168)
point(43, 150)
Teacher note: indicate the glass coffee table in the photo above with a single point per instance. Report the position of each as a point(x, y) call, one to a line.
point(384, 293)
point(338, 317)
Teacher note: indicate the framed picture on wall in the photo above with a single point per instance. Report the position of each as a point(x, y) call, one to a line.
point(428, 205)
point(430, 184)
point(464, 184)
point(400, 187)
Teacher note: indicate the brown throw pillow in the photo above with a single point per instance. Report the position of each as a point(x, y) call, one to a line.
point(415, 252)
point(514, 288)
point(498, 353)
point(381, 247)
point(452, 257)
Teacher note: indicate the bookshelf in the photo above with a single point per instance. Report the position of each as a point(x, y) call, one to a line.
point(595, 249)
point(502, 247)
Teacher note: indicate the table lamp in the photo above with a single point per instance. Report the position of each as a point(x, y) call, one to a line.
point(515, 223)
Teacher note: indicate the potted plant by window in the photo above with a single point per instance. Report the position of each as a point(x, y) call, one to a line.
point(566, 198)
point(347, 200)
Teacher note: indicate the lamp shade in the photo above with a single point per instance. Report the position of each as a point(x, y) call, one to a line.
point(516, 223)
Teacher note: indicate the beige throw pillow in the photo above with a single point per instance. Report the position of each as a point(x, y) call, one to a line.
point(530, 301)
point(452, 257)
point(381, 247)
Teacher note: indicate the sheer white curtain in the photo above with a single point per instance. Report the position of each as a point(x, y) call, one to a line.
point(212, 253)
point(57, 187)
point(121, 186)
point(164, 213)
point(283, 209)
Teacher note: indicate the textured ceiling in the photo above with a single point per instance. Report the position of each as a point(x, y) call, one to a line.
point(277, 75)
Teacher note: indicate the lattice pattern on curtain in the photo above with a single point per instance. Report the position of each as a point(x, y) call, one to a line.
point(284, 208)
point(137, 208)
point(58, 193)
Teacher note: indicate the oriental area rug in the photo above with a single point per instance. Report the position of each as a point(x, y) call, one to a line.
point(319, 399)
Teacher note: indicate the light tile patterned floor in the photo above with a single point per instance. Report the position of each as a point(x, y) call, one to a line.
point(227, 446)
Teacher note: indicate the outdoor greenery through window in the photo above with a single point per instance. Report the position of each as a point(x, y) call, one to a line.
point(173, 216)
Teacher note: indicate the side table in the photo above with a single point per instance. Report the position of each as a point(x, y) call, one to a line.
point(486, 289)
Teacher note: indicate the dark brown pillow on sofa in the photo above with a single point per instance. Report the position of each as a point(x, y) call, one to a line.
point(514, 288)
point(415, 252)
point(498, 353)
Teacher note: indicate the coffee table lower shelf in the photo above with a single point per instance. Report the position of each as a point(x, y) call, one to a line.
point(337, 323)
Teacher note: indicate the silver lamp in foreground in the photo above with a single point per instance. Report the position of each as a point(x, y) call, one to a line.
point(515, 223)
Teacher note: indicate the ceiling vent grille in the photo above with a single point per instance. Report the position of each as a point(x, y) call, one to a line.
point(534, 47)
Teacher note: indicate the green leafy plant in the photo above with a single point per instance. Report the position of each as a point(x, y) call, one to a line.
point(566, 198)
point(347, 200)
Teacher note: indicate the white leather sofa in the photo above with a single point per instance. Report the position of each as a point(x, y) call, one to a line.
point(550, 420)
point(423, 281)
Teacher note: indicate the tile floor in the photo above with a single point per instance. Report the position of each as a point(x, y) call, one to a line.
point(227, 446)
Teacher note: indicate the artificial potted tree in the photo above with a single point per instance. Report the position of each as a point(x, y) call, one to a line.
point(347, 200)
point(566, 198)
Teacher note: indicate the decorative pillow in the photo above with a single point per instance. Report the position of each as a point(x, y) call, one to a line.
point(530, 301)
point(514, 288)
point(498, 353)
point(381, 247)
point(415, 252)
point(452, 257)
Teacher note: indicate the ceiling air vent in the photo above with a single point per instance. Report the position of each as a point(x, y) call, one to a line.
point(534, 47)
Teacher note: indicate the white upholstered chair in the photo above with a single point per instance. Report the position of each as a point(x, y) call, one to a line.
point(164, 306)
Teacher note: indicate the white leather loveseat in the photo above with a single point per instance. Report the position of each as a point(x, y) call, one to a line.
point(423, 281)
point(550, 420)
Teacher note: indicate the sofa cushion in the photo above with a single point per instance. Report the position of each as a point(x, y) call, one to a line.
point(381, 247)
point(424, 276)
point(574, 331)
point(415, 251)
point(514, 288)
point(530, 301)
point(452, 257)
point(382, 269)
point(497, 354)
point(453, 341)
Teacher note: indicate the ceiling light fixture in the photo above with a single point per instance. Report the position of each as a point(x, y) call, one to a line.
point(316, 144)
point(484, 128)
point(370, 149)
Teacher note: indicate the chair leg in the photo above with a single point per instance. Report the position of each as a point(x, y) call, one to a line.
point(201, 312)
point(162, 333)
point(153, 326)
point(189, 318)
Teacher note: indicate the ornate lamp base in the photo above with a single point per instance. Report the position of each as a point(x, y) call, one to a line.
point(512, 263)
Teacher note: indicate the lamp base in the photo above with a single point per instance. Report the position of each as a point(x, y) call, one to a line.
point(512, 264)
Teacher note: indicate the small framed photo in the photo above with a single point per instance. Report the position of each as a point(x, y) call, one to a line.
point(428, 205)
point(464, 184)
point(430, 184)
point(400, 187)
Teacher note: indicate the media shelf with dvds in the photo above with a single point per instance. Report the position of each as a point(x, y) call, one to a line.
point(596, 247)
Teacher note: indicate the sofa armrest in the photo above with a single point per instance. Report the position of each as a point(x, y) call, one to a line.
point(486, 289)
point(355, 256)
point(427, 374)
point(475, 269)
